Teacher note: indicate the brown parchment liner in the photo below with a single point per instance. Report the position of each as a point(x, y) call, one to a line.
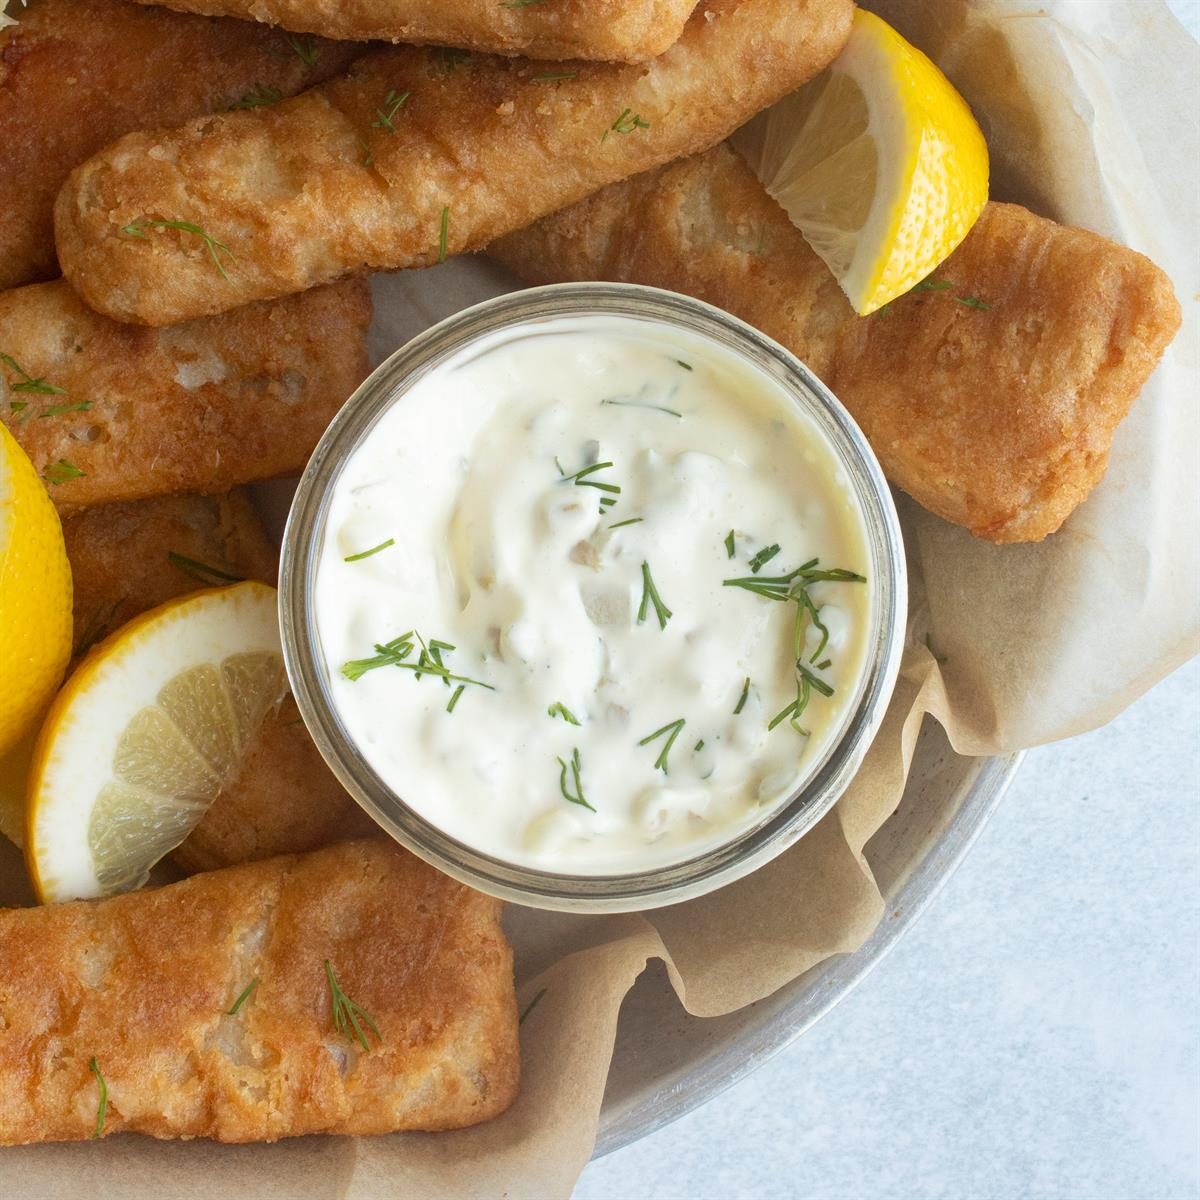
point(1089, 111)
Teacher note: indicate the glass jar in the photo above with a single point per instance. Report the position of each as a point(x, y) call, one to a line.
point(782, 823)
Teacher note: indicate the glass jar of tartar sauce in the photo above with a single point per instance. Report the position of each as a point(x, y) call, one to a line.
point(593, 597)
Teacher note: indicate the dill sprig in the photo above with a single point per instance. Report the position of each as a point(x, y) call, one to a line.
point(215, 249)
point(458, 691)
point(574, 767)
point(391, 106)
point(628, 521)
point(673, 729)
point(27, 382)
point(559, 709)
point(650, 596)
point(763, 557)
point(444, 237)
point(243, 996)
point(553, 76)
point(201, 571)
point(306, 48)
point(940, 285)
point(367, 553)
point(742, 698)
point(396, 653)
point(102, 1103)
point(58, 410)
point(684, 365)
point(787, 587)
point(258, 96)
point(520, 3)
point(662, 408)
point(62, 471)
point(626, 122)
point(534, 1002)
point(581, 479)
point(806, 684)
point(730, 544)
point(347, 1015)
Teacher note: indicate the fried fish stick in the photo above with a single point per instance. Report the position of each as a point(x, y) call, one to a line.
point(609, 30)
point(136, 991)
point(110, 412)
point(415, 154)
point(77, 74)
point(991, 397)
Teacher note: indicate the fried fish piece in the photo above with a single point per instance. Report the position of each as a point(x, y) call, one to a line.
point(990, 395)
point(413, 155)
point(112, 412)
point(609, 30)
point(137, 991)
point(77, 74)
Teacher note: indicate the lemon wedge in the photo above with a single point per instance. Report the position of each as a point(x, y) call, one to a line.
point(878, 162)
point(35, 595)
point(143, 737)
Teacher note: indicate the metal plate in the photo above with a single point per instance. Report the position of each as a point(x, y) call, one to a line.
point(666, 1062)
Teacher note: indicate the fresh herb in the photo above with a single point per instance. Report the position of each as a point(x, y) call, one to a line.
point(534, 1002)
point(458, 691)
point(786, 587)
point(215, 249)
point(729, 543)
point(367, 553)
point(57, 410)
point(62, 471)
point(99, 621)
point(202, 572)
point(650, 596)
point(102, 1105)
point(579, 797)
point(445, 234)
point(554, 77)
point(973, 302)
point(558, 465)
point(685, 366)
point(932, 285)
point(806, 684)
point(627, 122)
point(559, 709)
point(630, 521)
point(391, 106)
point(763, 557)
point(742, 698)
point(449, 59)
point(395, 654)
point(580, 479)
point(828, 662)
point(306, 48)
point(16, 407)
point(521, 3)
point(28, 383)
point(368, 158)
point(698, 746)
point(346, 1014)
point(245, 995)
point(674, 728)
point(258, 97)
point(662, 408)
point(944, 285)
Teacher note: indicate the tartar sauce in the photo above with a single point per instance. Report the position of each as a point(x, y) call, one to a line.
point(600, 537)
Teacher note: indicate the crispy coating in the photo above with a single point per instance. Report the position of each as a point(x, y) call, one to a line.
point(339, 179)
point(992, 402)
point(199, 407)
point(141, 984)
point(607, 30)
point(77, 74)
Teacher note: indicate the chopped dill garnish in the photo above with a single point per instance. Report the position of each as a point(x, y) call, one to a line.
point(367, 553)
point(449, 59)
point(698, 746)
point(825, 663)
point(98, 622)
point(662, 408)
point(57, 410)
point(685, 366)
point(445, 234)
point(674, 728)
point(806, 684)
point(534, 1002)
point(973, 302)
point(391, 106)
point(458, 691)
point(62, 471)
point(554, 76)
point(243, 996)
point(28, 383)
point(102, 1104)
point(257, 97)
point(215, 249)
point(580, 479)
point(203, 572)
point(629, 521)
point(650, 596)
point(742, 698)
point(395, 654)
point(520, 3)
point(763, 557)
point(932, 285)
point(574, 767)
point(306, 48)
point(16, 407)
point(627, 122)
point(729, 544)
point(346, 1014)
point(559, 709)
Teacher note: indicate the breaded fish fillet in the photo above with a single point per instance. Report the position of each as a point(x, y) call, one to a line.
point(990, 396)
point(608, 30)
point(200, 407)
point(77, 74)
point(136, 990)
point(413, 155)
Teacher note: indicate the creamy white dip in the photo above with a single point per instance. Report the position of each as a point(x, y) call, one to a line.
point(610, 696)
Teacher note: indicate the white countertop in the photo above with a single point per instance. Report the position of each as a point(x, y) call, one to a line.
point(1036, 1036)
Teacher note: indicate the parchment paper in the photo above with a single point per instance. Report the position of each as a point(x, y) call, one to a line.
point(1090, 111)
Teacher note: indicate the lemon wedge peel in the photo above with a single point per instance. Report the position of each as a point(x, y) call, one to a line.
point(144, 735)
point(879, 163)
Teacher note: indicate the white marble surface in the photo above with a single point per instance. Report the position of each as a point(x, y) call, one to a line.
point(1036, 1036)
